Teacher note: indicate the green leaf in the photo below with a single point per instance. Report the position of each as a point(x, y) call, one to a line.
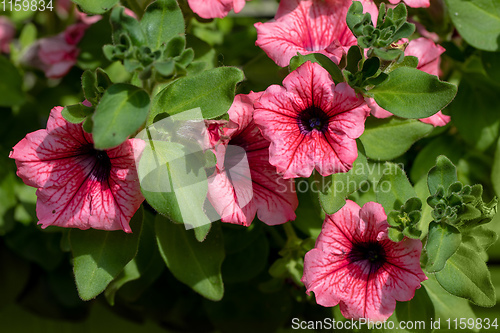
point(495, 170)
point(442, 242)
point(446, 305)
point(162, 21)
point(478, 22)
point(174, 182)
point(389, 55)
point(146, 265)
point(196, 264)
point(444, 174)
point(491, 64)
point(148, 262)
point(321, 59)
point(337, 187)
point(11, 91)
point(411, 93)
point(370, 67)
point(99, 256)
point(28, 35)
point(89, 86)
point(466, 275)
point(354, 56)
point(129, 273)
point(480, 128)
point(426, 158)
point(386, 139)
point(419, 308)
point(479, 239)
point(121, 112)
point(393, 189)
point(77, 113)
point(212, 91)
point(202, 231)
point(125, 24)
point(95, 6)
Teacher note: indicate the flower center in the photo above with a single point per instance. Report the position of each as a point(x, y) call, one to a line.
point(313, 118)
point(372, 252)
point(102, 166)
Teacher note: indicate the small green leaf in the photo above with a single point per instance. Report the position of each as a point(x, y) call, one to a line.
point(339, 186)
point(444, 174)
point(196, 264)
point(442, 242)
point(89, 86)
point(411, 93)
point(77, 113)
point(479, 239)
point(478, 22)
point(354, 56)
point(370, 67)
point(11, 92)
point(99, 256)
point(389, 55)
point(466, 275)
point(161, 22)
point(386, 139)
point(212, 91)
point(202, 231)
point(394, 188)
point(28, 35)
point(125, 24)
point(121, 112)
point(96, 6)
point(321, 59)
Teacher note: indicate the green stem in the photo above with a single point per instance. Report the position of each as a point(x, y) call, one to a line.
point(290, 232)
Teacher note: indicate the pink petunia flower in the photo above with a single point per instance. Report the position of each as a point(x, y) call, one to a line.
point(354, 263)
point(7, 33)
point(236, 195)
point(309, 26)
point(311, 123)
point(413, 3)
point(79, 186)
point(209, 9)
point(428, 55)
point(56, 55)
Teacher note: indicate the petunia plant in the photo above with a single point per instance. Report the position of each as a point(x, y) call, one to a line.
point(250, 166)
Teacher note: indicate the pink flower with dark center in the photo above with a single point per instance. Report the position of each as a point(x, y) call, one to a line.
point(309, 26)
point(79, 186)
point(238, 191)
point(311, 123)
point(354, 263)
point(428, 55)
point(413, 3)
point(56, 55)
point(209, 9)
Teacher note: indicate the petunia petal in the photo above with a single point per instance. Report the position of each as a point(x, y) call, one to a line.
point(237, 191)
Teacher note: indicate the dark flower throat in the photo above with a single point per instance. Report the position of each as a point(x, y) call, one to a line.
point(102, 165)
point(373, 252)
point(313, 118)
